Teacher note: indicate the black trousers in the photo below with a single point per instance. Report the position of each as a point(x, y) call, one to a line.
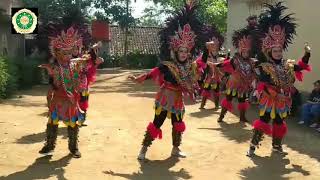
point(159, 119)
point(266, 118)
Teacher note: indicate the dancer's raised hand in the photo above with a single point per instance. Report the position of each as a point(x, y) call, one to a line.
point(132, 78)
point(307, 48)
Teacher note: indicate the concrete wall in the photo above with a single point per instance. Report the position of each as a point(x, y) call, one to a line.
point(13, 43)
point(307, 31)
point(6, 5)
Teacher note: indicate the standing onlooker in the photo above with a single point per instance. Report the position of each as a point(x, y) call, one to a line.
point(311, 109)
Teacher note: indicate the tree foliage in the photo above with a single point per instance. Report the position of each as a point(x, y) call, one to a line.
point(210, 11)
point(114, 11)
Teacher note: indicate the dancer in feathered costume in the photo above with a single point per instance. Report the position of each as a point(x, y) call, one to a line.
point(63, 100)
point(276, 76)
point(88, 77)
point(210, 75)
point(175, 75)
point(241, 70)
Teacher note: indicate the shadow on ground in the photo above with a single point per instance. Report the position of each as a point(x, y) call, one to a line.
point(205, 113)
point(234, 132)
point(42, 168)
point(152, 169)
point(40, 137)
point(272, 167)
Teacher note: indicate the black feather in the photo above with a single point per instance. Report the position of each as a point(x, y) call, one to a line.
point(274, 15)
point(187, 15)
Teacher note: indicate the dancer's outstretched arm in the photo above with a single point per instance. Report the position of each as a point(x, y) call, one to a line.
point(303, 64)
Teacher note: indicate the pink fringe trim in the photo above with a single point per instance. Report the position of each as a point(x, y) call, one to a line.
point(243, 106)
point(262, 126)
point(91, 74)
point(298, 75)
point(304, 66)
point(279, 131)
point(180, 126)
point(216, 94)
point(226, 104)
point(261, 86)
point(206, 94)
point(154, 131)
point(200, 63)
point(84, 105)
point(227, 67)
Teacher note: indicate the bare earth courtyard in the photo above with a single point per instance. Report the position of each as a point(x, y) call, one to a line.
point(118, 115)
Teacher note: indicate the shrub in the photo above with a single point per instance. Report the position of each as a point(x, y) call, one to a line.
point(138, 60)
point(30, 73)
point(110, 61)
point(4, 76)
point(8, 77)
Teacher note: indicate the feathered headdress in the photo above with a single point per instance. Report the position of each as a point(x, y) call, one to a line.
point(183, 29)
point(65, 41)
point(278, 29)
point(213, 35)
point(246, 39)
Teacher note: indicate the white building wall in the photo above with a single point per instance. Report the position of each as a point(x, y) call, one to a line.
point(307, 15)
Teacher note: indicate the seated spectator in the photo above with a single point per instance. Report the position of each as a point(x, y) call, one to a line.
point(311, 109)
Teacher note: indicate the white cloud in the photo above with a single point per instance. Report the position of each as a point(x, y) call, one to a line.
point(139, 6)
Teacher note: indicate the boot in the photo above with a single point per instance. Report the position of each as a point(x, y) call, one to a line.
point(256, 139)
point(222, 114)
point(142, 153)
point(73, 141)
point(203, 103)
point(243, 116)
point(176, 142)
point(51, 133)
point(176, 152)
point(277, 145)
point(147, 141)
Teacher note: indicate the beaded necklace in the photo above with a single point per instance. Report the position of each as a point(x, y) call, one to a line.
point(63, 79)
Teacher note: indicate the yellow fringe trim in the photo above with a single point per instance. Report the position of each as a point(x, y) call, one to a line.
point(234, 92)
point(263, 111)
point(85, 93)
point(158, 110)
point(169, 115)
point(228, 91)
point(214, 86)
point(273, 112)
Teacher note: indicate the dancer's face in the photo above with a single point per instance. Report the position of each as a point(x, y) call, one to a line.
point(245, 54)
point(182, 54)
point(64, 55)
point(213, 47)
point(75, 52)
point(277, 53)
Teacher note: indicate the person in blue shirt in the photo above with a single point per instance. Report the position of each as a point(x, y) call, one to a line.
point(311, 109)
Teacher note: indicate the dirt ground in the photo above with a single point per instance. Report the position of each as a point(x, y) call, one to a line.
point(117, 118)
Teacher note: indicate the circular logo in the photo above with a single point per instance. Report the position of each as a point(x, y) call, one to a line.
point(24, 21)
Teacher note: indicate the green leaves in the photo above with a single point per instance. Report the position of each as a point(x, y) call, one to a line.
point(114, 11)
point(210, 11)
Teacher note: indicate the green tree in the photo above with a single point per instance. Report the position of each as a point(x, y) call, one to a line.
point(210, 11)
point(58, 14)
point(154, 16)
point(114, 11)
